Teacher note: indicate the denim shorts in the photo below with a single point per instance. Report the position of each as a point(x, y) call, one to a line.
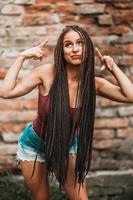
point(31, 146)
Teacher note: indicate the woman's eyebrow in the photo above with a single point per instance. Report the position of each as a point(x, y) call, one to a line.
point(67, 41)
point(79, 39)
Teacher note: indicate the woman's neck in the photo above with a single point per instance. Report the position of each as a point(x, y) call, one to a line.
point(73, 72)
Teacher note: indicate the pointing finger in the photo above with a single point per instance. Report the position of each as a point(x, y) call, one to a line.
point(43, 43)
point(99, 54)
point(102, 68)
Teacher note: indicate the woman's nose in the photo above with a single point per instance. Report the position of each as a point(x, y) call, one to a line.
point(75, 48)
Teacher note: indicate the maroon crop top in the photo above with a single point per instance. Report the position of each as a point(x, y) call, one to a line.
point(43, 104)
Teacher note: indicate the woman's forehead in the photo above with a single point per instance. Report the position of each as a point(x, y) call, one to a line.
point(70, 35)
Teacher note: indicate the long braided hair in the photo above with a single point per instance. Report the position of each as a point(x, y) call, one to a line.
point(58, 132)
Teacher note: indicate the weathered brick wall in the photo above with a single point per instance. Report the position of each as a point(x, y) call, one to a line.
point(25, 23)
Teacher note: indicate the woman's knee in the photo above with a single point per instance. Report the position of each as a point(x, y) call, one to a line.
point(41, 196)
point(38, 182)
point(75, 193)
point(39, 192)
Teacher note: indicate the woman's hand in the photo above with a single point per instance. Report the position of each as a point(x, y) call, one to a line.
point(107, 62)
point(36, 52)
point(123, 91)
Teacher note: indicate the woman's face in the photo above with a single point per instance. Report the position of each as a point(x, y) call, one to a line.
point(73, 48)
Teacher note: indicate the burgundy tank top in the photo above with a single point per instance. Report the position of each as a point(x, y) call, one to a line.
point(43, 105)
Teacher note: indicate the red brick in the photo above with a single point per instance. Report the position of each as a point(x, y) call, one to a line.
point(110, 9)
point(20, 116)
point(105, 112)
point(54, 28)
point(79, 20)
point(7, 163)
point(105, 19)
point(117, 1)
point(39, 19)
point(125, 111)
point(10, 137)
point(83, 1)
point(95, 155)
point(113, 50)
point(123, 5)
point(123, 133)
point(125, 17)
point(12, 10)
point(6, 62)
point(8, 149)
point(39, 8)
point(105, 164)
point(106, 144)
point(96, 30)
point(126, 61)
point(112, 123)
point(106, 154)
point(19, 32)
point(103, 1)
point(49, 1)
point(91, 8)
point(104, 39)
point(68, 8)
point(120, 29)
point(6, 160)
point(11, 127)
point(108, 103)
point(24, 2)
point(131, 121)
point(18, 104)
point(69, 19)
point(122, 1)
point(104, 134)
point(128, 48)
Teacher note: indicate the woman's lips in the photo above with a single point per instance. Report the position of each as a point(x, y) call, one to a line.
point(76, 57)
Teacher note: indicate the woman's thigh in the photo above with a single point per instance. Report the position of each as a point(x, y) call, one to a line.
point(71, 189)
point(37, 182)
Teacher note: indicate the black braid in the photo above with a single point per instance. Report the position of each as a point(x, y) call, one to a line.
point(58, 133)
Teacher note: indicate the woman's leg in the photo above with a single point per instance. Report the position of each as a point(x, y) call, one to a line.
point(70, 188)
point(38, 183)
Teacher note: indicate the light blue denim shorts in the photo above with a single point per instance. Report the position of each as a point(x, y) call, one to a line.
point(31, 146)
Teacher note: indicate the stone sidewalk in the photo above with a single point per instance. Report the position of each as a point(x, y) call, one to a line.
point(103, 185)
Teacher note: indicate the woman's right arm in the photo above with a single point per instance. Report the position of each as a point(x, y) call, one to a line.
point(11, 88)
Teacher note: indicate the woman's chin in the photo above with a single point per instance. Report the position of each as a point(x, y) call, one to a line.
point(75, 62)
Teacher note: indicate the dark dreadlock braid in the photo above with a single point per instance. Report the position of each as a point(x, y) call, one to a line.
point(58, 133)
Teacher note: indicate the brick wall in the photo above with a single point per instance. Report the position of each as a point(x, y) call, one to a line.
point(25, 23)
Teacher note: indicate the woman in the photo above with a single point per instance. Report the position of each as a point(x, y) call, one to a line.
point(59, 140)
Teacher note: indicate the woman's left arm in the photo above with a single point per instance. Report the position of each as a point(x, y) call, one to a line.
point(121, 93)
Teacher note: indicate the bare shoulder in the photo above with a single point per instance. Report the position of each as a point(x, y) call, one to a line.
point(45, 71)
point(46, 68)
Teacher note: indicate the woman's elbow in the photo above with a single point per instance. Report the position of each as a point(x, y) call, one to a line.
point(130, 99)
point(4, 95)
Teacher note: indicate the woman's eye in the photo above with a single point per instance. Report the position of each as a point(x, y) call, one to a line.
point(80, 43)
point(68, 45)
